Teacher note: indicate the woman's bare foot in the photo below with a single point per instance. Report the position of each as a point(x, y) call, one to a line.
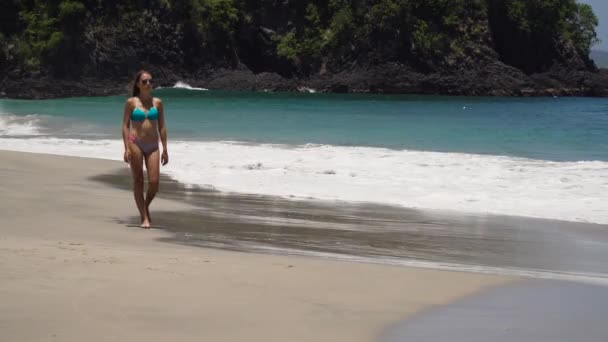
point(145, 223)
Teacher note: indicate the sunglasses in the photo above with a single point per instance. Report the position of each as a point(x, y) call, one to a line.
point(147, 81)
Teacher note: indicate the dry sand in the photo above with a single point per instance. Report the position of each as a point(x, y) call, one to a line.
point(72, 270)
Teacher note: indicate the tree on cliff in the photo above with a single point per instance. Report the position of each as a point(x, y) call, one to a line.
point(76, 37)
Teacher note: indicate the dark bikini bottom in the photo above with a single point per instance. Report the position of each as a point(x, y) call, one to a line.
point(146, 148)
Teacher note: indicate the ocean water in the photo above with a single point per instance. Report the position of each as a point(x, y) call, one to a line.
point(536, 157)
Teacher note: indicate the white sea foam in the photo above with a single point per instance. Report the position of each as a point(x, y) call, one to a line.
point(14, 125)
point(184, 85)
point(306, 90)
point(573, 191)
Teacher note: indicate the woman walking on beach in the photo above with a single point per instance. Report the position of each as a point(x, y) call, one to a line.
point(143, 123)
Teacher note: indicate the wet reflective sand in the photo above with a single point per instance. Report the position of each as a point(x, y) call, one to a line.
point(527, 311)
point(378, 233)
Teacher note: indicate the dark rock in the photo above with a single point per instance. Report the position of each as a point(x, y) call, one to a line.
point(491, 78)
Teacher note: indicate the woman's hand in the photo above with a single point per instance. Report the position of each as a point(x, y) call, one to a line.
point(127, 156)
point(164, 159)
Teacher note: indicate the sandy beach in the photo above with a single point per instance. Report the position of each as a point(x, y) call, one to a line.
point(74, 267)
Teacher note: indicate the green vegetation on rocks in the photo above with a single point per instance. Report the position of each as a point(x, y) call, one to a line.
point(75, 38)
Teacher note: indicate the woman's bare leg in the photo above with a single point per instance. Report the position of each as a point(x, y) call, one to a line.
point(138, 183)
point(153, 166)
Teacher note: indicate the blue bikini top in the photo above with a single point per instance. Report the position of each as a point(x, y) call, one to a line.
point(139, 115)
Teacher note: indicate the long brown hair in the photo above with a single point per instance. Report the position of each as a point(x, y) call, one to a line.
point(135, 91)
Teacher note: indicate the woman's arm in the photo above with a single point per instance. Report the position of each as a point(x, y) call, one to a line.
point(162, 128)
point(126, 126)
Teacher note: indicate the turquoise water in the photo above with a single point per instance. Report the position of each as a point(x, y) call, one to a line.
point(560, 129)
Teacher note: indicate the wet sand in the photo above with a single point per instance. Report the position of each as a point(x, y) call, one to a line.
point(512, 245)
point(74, 266)
point(528, 311)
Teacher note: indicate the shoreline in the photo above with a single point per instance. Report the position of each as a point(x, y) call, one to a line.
point(369, 233)
point(367, 190)
point(75, 269)
point(382, 234)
